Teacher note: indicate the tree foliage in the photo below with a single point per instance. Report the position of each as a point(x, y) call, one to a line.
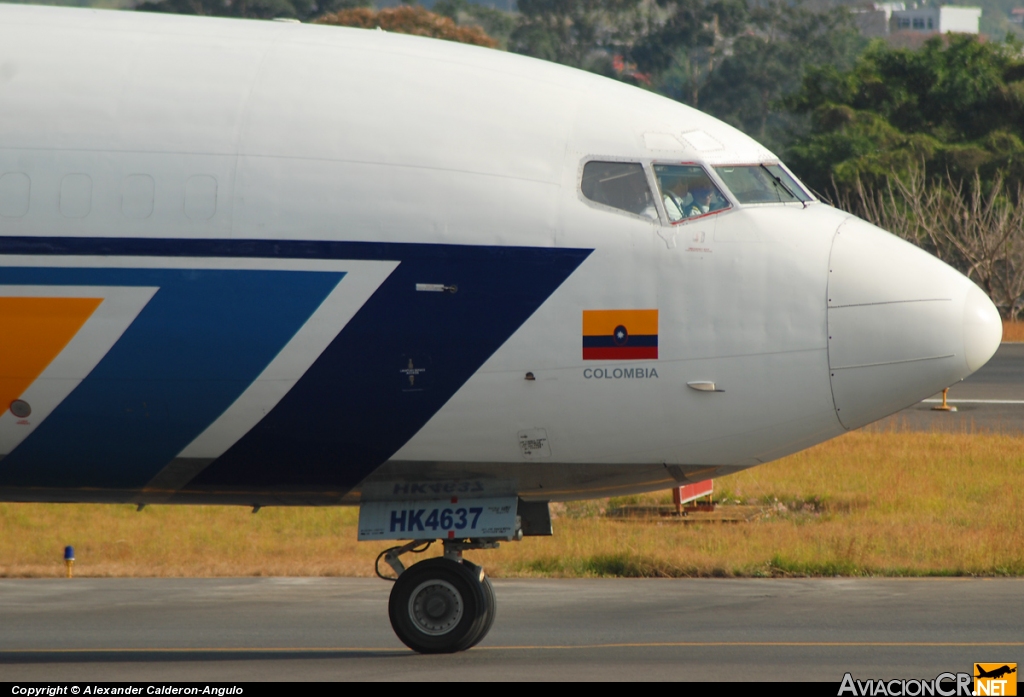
point(767, 63)
point(251, 9)
point(975, 227)
point(494, 22)
point(581, 33)
point(692, 26)
point(735, 59)
point(410, 19)
point(957, 105)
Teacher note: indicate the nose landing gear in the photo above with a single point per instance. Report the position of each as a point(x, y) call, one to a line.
point(441, 605)
point(446, 604)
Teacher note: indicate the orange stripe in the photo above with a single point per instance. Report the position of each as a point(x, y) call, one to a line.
point(32, 332)
point(604, 322)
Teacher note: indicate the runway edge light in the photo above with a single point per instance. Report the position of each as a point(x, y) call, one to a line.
point(69, 560)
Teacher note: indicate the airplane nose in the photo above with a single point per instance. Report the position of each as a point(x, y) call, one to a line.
point(902, 325)
point(983, 328)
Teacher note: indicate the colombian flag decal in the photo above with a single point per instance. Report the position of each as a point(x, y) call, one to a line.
point(624, 335)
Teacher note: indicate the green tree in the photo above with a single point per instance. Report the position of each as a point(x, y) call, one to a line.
point(496, 23)
point(767, 63)
point(956, 105)
point(682, 46)
point(581, 33)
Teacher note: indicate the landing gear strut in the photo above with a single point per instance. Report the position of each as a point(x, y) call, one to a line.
point(440, 605)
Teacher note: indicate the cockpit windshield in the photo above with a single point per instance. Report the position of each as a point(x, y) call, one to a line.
point(687, 192)
point(763, 183)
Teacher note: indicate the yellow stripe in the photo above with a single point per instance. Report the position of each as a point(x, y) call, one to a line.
point(560, 647)
point(604, 322)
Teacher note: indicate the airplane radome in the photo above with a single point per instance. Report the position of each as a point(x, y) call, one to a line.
point(265, 263)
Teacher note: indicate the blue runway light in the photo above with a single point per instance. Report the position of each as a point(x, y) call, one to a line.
point(69, 553)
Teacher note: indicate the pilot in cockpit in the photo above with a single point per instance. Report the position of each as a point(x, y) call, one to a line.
point(677, 198)
point(687, 191)
point(705, 199)
point(701, 201)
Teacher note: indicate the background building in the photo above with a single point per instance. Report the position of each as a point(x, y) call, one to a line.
point(883, 19)
point(962, 20)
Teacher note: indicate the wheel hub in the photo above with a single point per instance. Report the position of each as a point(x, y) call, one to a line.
point(435, 607)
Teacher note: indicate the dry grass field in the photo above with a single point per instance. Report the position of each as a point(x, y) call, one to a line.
point(868, 503)
point(1013, 331)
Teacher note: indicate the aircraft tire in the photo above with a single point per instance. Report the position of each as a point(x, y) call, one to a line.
point(492, 609)
point(490, 602)
point(438, 606)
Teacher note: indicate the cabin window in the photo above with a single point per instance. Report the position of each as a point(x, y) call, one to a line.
point(762, 184)
point(200, 197)
point(621, 185)
point(688, 192)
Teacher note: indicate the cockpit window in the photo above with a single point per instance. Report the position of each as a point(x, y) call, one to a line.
point(688, 192)
point(621, 185)
point(762, 184)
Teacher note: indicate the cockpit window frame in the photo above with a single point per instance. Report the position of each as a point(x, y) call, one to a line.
point(648, 164)
point(811, 198)
point(651, 185)
point(712, 176)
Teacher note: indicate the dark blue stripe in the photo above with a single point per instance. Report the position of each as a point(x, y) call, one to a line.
point(354, 408)
point(631, 340)
point(193, 349)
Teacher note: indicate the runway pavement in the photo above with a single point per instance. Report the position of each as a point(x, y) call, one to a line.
point(602, 629)
point(597, 629)
point(990, 400)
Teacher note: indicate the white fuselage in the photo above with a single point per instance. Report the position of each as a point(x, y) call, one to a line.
point(137, 132)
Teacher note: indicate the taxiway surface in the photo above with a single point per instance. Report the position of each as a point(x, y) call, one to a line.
point(594, 629)
point(991, 400)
